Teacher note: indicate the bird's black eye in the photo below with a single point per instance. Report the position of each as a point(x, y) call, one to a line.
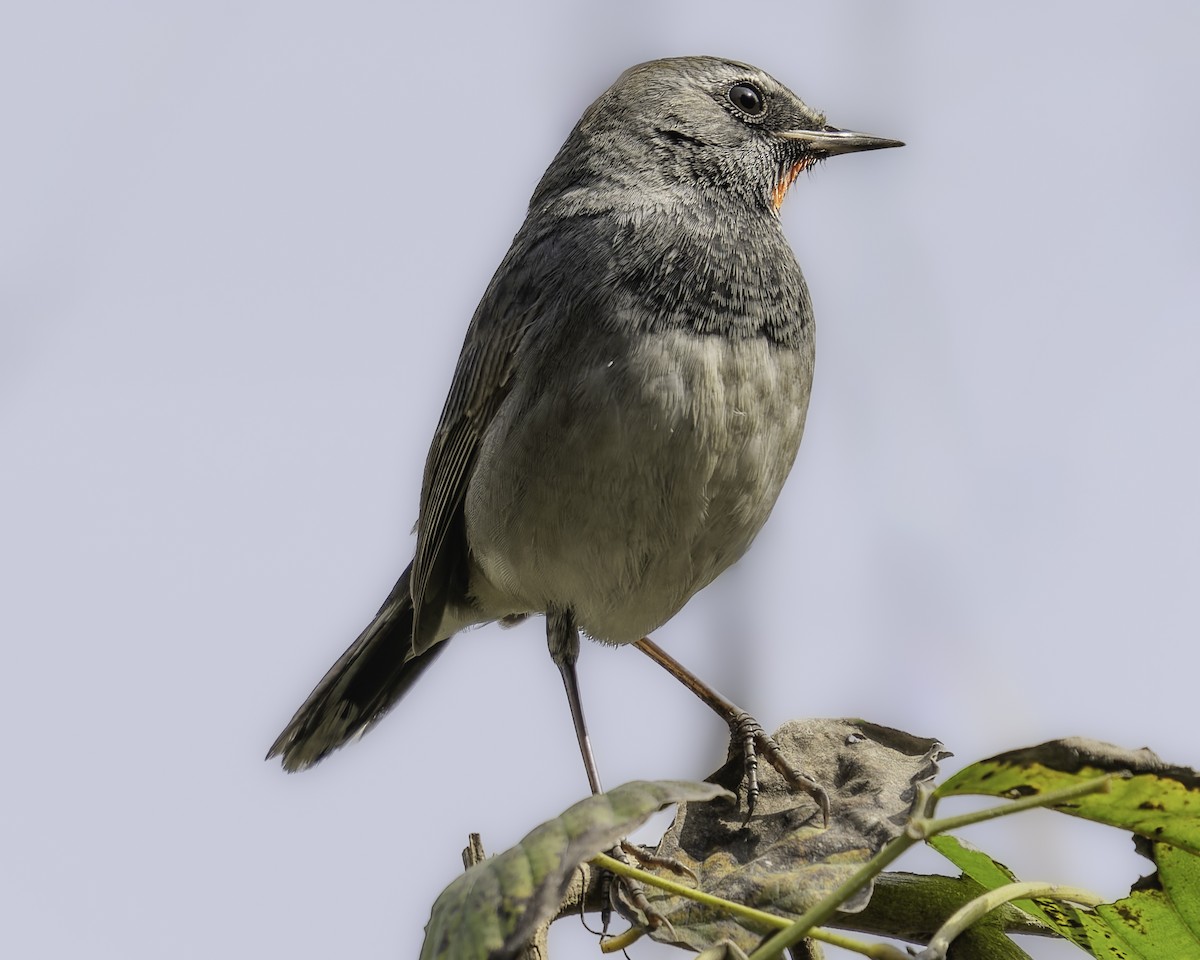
point(747, 98)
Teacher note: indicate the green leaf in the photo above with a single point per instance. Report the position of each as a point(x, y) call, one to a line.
point(1152, 920)
point(1179, 874)
point(493, 909)
point(1081, 927)
point(1148, 797)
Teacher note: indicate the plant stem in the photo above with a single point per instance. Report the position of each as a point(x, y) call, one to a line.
point(945, 824)
point(760, 917)
point(969, 913)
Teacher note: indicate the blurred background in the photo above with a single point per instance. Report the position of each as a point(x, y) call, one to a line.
point(239, 247)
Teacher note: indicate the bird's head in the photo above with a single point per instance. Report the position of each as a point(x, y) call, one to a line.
point(703, 123)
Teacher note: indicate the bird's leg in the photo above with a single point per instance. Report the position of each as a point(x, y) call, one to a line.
point(562, 636)
point(745, 733)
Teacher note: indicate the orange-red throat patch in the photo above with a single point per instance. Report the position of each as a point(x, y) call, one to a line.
point(781, 188)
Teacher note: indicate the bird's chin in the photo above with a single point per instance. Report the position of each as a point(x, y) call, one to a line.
point(788, 177)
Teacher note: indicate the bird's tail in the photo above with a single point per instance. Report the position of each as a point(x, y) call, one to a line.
point(365, 683)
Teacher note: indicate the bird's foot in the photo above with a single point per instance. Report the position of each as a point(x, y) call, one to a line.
point(747, 736)
point(629, 895)
point(650, 860)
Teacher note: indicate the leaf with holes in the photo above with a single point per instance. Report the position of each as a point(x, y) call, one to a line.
point(784, 860)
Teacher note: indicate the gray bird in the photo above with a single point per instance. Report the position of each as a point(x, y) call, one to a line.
point(629, 398)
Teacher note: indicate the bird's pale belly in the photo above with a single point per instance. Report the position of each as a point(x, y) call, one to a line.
point(672, 455)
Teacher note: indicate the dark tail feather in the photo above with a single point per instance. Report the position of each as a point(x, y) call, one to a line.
point(365, 683)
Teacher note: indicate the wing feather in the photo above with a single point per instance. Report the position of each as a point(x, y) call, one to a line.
point(482, 379)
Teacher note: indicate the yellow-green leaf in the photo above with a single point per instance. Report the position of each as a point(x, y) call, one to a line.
point(1148, 797)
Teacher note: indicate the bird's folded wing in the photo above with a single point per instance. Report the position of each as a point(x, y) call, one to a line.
point(482, 379)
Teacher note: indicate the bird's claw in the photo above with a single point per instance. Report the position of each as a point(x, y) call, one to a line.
point(612, 886)
point(747, 733)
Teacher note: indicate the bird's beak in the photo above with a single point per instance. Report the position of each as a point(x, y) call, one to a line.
point(831, 141)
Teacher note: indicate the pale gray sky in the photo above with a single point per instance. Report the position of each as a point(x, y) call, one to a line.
point(239, 245)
